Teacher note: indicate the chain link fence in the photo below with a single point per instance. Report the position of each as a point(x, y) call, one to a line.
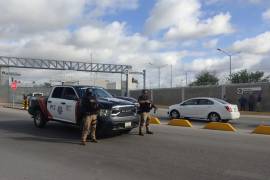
point(257, 93)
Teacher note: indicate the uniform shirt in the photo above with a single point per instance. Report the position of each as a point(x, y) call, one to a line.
point(145, 106)
point(89, 105)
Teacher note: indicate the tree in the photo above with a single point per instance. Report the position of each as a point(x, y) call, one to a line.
point(244, 76)
point(205, 78)
point(46, 84)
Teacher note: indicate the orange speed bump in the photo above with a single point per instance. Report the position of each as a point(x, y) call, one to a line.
point(220, 126)
point(180, 122)
point(262, 129)
point(154, 120)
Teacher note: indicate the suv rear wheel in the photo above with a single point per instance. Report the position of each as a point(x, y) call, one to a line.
point(39, 119)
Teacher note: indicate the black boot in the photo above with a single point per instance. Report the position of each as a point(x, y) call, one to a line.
point(94, 140)
point(148, 131)
point(140, 132)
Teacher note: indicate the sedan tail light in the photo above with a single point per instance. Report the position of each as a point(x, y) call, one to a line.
point(228, 108)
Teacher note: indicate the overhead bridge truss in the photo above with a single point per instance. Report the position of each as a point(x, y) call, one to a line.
point(31, 63)
point(18, 62)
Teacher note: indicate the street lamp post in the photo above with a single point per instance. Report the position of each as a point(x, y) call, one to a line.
point(230, 56)
point(171, 77)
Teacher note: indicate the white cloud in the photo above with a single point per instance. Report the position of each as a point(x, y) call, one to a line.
point(255, 1)
point(221, 65)
point(25, 17)
point(266, 15)
point(257, 45)
point(211, 44)
point(233, 1)
point(100, 7)
point(109, 44)
point(19, 16)
point(183, 20)
point(40, 29)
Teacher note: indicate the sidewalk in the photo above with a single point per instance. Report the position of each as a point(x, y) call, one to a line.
point(10, 105)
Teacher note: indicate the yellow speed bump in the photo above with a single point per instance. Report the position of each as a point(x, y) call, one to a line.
point(154, 120)
point(180, 122)
point(220, 126)
point(262, 129)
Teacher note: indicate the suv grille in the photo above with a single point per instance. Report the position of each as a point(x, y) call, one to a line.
point(122, 111)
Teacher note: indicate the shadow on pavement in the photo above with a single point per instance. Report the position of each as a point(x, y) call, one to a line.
point(53, 132)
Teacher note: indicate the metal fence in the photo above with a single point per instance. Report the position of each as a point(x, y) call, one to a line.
point(169, 96)
point(231, 93)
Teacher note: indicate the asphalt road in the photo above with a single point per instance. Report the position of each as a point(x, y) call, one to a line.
point(171, 153)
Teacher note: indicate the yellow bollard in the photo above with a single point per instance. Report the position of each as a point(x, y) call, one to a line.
point(154, 120)
point(25, 104)
point(220, 126)
point(180, 122)
point(262, 129)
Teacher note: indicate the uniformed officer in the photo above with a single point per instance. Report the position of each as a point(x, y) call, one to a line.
point(145, 107)
point(89, 108)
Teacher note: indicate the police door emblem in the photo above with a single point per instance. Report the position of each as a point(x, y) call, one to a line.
point(59, 109)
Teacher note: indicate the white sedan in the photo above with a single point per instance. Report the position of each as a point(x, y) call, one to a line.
point(212, 109)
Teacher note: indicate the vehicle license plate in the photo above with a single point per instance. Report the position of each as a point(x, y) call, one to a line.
point(127, 124)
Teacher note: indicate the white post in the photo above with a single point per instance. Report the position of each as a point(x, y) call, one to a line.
point(12, 99)
point(183, 93)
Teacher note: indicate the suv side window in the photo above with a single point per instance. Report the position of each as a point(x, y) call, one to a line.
point(69, 94)
point(205, 102)
point(57, 92)
point(191, 102)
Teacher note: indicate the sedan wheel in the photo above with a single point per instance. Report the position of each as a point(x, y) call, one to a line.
point(175, 114)
point(214, 117)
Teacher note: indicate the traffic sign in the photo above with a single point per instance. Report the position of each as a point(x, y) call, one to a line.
point(14, 85)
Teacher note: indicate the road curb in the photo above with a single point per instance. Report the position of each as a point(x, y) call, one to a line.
point(262, 129)
point(220, 126)
point(180, 122)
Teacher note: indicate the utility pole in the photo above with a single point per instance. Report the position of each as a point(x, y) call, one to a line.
point(186, 79)
point(144, 79)
point(127, 83)
point(171, 77)
point(159, 77)
point(230, 57)
point(159, 68)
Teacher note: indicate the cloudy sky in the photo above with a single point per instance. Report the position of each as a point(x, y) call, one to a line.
point(184, 33)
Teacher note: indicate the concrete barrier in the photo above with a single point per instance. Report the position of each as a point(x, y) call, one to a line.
point(220, 126)
point(154, 120)
point(262, 129)
point(180, 122)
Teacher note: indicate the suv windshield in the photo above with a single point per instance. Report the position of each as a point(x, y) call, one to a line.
point(98, 92)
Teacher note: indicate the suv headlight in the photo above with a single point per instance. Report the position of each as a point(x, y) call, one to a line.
point(104, 112)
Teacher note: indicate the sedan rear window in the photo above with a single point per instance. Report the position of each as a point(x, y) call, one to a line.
point(221, 101)
point(191, 102)
point(205, 102)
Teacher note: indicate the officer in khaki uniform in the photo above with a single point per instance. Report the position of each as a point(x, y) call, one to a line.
point(145, 107)
point(89, 109)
